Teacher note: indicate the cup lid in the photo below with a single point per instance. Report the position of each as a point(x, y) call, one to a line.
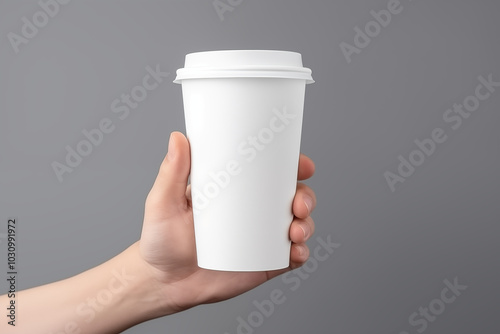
point(244, 64)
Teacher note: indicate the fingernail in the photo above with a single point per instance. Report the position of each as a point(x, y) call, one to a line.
point(301, 250)
point(309, 203)
point(306, 234)
point(171, 148)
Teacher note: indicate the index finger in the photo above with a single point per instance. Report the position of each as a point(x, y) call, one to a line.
point(306, 167)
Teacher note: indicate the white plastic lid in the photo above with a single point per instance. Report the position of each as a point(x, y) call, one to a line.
point(244, 64)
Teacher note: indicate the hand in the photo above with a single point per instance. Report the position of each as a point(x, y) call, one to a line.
point(167, 243)
point(158, 275)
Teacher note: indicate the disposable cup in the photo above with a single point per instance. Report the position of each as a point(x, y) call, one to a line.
point(243, 111)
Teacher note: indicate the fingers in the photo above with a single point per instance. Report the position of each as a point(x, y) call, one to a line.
point(304, 201)
point(168, 194)
point(302, 227)
point(301, 230)
point(306, 167)
point(298, 255)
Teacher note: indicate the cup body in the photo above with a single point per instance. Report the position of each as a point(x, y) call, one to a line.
point(244, 134)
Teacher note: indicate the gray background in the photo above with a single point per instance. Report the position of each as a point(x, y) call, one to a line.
point(396, 247)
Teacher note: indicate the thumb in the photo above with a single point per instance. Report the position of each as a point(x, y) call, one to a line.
point(168, 195)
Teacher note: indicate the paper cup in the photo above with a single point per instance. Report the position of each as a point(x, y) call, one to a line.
point(243, 113)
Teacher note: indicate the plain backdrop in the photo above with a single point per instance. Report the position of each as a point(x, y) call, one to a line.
point(396, 248)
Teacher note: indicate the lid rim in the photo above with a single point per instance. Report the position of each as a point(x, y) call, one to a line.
point(243, 75)
point(247, 68)
point(245, 64)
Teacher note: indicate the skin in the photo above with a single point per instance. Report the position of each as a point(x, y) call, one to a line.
point(157, 275)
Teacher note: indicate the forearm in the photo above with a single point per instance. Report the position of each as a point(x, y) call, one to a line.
point(109, 298)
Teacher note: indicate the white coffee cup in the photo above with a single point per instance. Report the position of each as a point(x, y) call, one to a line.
point(243, 112)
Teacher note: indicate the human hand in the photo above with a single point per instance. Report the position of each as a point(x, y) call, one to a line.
point(158, 275)
point(167, 244)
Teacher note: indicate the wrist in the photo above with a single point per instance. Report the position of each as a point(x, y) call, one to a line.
point(141, 298)
point(126, 295)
